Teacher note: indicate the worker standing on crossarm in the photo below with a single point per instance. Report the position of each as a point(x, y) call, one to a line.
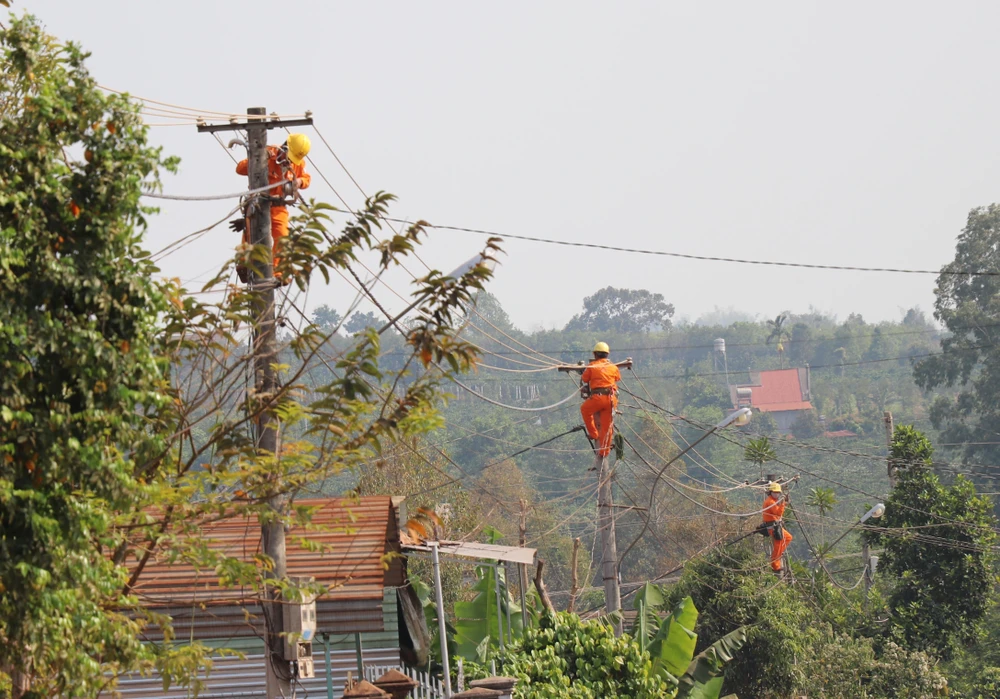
point(600, 385)
point(774, 510)
point(286, 170)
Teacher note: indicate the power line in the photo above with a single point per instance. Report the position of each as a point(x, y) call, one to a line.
point(708, 258)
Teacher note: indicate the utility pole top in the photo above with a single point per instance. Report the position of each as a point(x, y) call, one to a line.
point(256, 121)
point(580, 368)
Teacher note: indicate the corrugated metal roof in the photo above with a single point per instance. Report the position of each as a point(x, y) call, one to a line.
point(355, 535)
point(245, 677)
point(474, 549)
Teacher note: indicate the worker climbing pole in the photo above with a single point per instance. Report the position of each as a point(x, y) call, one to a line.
point(600, 392)
point(258, 229)
point(286, 170)
point(774, 527)
point(599, 389)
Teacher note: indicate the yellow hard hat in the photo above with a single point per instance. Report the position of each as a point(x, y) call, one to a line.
point(773, 487)
point(298, 147)
point(602, 347)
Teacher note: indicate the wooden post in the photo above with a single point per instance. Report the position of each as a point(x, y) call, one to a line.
point(574, 588)
point(889, 431)
point(522, 569)
point(609, 555)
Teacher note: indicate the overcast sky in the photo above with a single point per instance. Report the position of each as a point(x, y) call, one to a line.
point(834, 133)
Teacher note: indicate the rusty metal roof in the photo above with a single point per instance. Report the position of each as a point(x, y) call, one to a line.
point(354, 536)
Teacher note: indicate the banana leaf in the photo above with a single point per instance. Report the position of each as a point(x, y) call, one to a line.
point(703, 679)
point(672, 649)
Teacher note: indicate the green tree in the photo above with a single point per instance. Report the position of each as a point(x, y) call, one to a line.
point(807, 425)
point(327, 318)
point(942, 577)
point(791, 650)
point(623, 311)
point(78, 347)
point(779, 335)
point(759, 452)
point(122, 432)
point(800, 345)
point(359, 322)
point(969, 360)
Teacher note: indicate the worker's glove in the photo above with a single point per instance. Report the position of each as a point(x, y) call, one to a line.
point(238, 224)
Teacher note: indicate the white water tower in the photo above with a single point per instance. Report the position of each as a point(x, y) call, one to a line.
point(719, 359)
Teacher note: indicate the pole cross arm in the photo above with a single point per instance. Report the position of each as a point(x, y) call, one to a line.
point(580, 368)
point(255, 123)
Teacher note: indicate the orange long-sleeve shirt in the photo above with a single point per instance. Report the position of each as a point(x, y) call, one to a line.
point(276, 174)
point(602, 374)
point(774, 507)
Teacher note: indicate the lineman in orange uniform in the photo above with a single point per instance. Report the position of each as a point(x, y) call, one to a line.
point(774, 510)
point(602, 377)
point(285, 167)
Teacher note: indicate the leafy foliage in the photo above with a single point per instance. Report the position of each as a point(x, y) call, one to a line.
point(80, 363)
point(940, 593)
point(564, 656)
point(623, 311)
point(124, 404)
point(970, 361)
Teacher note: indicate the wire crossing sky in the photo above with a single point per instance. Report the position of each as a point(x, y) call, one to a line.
point(839, 135)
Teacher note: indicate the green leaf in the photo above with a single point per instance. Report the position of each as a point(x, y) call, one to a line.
point(703, 678)
point(674, 644)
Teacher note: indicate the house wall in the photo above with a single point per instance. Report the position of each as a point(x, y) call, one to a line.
point(245, 677)
point(785, 418)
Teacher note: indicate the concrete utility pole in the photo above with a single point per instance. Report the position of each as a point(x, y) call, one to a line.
point(609, 544)
point(606, 520)
point(279, 669)
point(889, 431)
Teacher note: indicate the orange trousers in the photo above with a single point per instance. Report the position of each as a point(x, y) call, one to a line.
point(602, 408)
point(778, 549)
point(279, 229)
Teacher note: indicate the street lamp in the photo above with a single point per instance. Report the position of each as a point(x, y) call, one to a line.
point(875, 513)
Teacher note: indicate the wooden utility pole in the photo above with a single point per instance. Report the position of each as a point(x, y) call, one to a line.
point(522, 569)
point(609, 544)
point(279, 673)
point(889, 431)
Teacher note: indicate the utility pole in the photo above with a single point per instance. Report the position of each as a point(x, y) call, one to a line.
point(522, 569)
point(889, 430)
point(264, 347)
point(609, 544)
point(867, 574)
point(606, 521)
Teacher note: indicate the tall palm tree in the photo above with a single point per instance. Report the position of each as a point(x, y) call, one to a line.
point(780, 334)
point(759, 451)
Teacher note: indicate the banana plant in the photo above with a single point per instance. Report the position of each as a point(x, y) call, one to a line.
point(672, 646)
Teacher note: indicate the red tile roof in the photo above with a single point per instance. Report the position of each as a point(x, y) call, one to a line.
point(776, 391)
point(840, 433)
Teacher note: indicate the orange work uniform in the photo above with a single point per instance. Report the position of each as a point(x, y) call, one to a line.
point(602, 376)
point(774, 510)
point(277, 175)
